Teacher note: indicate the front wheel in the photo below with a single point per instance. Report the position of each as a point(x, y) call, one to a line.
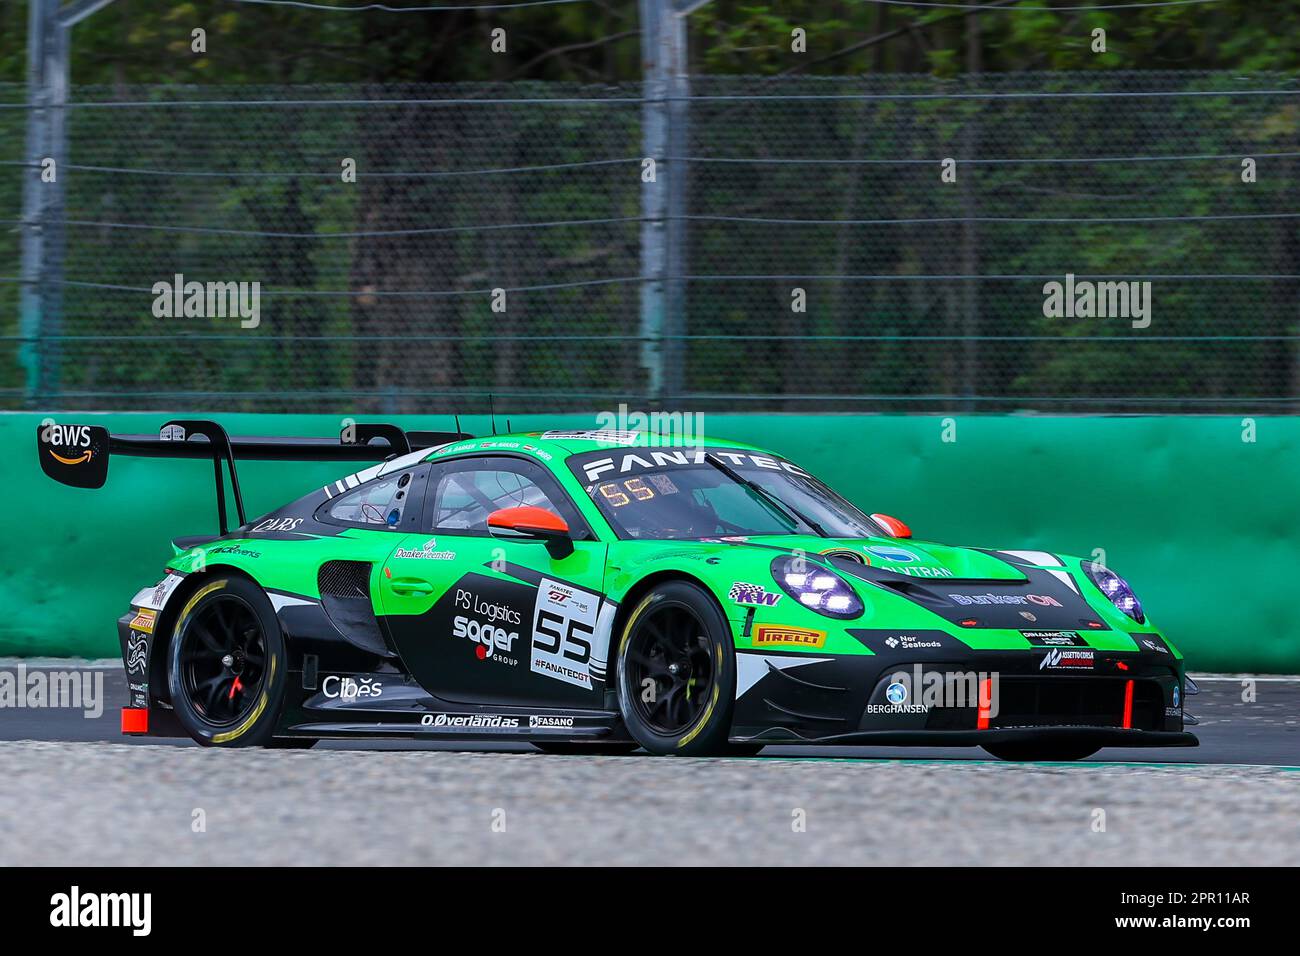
point(1048, 751)
point(226, 665)
point(677, 672)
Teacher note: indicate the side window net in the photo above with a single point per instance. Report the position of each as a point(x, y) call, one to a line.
point(379, 502)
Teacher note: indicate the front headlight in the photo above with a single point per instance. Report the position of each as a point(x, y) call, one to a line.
point(815, 587)
point(1116, 589)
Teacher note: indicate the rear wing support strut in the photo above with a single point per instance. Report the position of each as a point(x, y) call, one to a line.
point(183, 429)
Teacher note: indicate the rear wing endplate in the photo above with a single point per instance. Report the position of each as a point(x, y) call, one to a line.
point(78, 455)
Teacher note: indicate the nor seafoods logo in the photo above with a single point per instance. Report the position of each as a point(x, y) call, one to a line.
point(767, 635)
point(910, 642)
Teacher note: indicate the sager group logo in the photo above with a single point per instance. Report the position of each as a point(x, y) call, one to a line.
point(75, 909)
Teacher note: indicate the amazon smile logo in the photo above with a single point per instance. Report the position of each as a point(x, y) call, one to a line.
point(81, 460)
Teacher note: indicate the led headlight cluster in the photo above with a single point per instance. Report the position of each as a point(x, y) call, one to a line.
point(1115, 588)
point(816, 587)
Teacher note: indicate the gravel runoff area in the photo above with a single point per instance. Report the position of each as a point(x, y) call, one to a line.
point(113, 804)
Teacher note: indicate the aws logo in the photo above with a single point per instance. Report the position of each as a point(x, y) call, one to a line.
point(75, 455)
point(74, 440)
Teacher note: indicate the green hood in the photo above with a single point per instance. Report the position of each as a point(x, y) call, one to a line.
point(921, 559)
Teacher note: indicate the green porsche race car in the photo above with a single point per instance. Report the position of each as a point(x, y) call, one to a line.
point(599, 591)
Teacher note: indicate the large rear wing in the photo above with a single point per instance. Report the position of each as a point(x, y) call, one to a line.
point(78, 455)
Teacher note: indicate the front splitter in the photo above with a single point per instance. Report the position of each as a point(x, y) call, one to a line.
point(1098, 736)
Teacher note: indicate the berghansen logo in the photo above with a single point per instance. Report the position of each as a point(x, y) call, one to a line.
point(896, 693)
point(76, 909)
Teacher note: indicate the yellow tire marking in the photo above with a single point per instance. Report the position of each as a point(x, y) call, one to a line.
point(230, 735)
point(708, 711)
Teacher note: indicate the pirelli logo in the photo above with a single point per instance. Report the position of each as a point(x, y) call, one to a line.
point(769, 635)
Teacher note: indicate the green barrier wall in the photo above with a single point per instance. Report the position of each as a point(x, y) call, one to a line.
point(1201, 522)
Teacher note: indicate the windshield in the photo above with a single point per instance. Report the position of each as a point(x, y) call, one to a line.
point(683, 493)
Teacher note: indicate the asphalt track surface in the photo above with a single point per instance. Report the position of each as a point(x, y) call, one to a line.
point(90, 797)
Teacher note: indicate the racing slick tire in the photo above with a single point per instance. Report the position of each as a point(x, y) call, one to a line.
point(226, 665)
point(1051, 751)
point(677, 672)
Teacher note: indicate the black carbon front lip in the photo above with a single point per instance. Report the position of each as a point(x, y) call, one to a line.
point(1099, 736)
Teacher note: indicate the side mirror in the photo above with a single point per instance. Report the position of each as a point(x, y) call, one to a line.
point(893, 527)
point(529, 523)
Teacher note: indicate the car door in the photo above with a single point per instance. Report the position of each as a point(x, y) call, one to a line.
point(481, 619)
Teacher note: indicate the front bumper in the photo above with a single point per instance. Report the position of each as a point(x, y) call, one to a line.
point(940, 698)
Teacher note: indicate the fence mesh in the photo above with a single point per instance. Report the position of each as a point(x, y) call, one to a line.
point(919, 294)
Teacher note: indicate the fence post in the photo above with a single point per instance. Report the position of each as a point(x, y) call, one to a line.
point(654, 196)
point(677, 66)
point(49, 29)
point(664, 127)
point(46, 62)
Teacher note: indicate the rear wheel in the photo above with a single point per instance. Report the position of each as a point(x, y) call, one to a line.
point(677, 672)
point(226, 665)
point(1046, 751)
